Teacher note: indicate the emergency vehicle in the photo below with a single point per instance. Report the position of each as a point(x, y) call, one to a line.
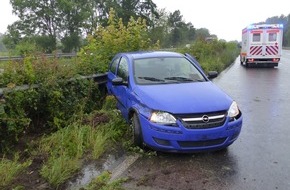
point(261, 45)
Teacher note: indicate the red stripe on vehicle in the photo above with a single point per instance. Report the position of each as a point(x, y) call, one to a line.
point(257, 31)
point(255, 50)
point(273, 31)
point(272, 50)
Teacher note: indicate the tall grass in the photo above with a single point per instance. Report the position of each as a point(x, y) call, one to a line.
point(60, 168)
point(66, 147)
point(11, 168)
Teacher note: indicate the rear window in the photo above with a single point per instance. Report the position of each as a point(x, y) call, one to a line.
point(272, 37)
point(256, 37)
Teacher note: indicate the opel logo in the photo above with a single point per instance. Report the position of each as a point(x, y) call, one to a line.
point(205, 118)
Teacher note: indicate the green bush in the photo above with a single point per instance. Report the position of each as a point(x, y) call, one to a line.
point(115, 38)
point(54, 96)
point(213, 55)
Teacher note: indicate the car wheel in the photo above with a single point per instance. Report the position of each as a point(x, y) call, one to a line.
point(137, 138)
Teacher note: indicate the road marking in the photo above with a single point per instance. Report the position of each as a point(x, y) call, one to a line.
point(117, 172)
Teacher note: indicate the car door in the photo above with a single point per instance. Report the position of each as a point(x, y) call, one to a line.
point(121, 91)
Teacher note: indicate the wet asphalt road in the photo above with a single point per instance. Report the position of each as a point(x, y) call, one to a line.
point(259, 159)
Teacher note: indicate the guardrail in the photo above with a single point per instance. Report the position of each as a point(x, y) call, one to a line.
point(100, 79)
point(56, 55)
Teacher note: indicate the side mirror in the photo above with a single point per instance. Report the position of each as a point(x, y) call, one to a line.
point(118, 81)
point(212, 74)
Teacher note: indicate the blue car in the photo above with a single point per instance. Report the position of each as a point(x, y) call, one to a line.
point(170, 103)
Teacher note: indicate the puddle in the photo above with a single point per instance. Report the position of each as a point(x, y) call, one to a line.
point(92, 170)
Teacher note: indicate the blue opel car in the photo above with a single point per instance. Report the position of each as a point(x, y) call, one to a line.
point(170, 103)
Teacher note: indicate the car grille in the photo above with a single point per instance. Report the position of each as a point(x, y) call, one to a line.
point(187, 144)
point(202, 120)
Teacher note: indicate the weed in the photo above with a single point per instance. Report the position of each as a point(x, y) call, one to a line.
point(102, 182)
point(67, 146)
point(59, 169)
point(110, 103)
point(10, 168)
point(98, 143)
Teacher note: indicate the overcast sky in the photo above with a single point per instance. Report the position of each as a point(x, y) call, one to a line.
point(6, 16)
point(225, 18)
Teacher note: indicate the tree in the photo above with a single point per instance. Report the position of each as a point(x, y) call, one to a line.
point(2, 46)
point(68, 21)
point(126, 9)
point(159, 29)
point(12, 37)
point(37, 17)
point(201, 34)
point(181, 33)
point(285, 20)
point(73, 14)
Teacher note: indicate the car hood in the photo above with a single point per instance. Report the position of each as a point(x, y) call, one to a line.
point(195, 97)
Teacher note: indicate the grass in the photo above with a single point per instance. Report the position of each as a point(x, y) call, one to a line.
point(4, 53)
point(67, 146)
point(58, 169)
point(102, 182)
point(86, 138)
point(3, 64)
point(9, 169)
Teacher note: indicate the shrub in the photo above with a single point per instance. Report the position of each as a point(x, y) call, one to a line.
point(41, 95)
point(115, 38)
point(213, 55)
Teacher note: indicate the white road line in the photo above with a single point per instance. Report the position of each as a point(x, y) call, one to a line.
point(117, 172)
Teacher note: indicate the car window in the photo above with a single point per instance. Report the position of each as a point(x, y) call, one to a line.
point(123, 69)
point(165, 70)
point(114, 65)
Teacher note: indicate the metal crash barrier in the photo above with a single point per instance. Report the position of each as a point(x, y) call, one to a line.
point(100, 79)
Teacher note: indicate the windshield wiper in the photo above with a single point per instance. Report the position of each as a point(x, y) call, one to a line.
point(178, 78)
point(151, 79)
point(183, 79)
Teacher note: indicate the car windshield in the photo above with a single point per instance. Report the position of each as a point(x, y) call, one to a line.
point(165, 70)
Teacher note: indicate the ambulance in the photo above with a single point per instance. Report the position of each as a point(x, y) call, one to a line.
point(261, 45)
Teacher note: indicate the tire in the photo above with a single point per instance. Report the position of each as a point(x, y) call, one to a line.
point(137, 138)
point(242, 60)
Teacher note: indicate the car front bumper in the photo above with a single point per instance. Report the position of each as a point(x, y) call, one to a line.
point(181, 139)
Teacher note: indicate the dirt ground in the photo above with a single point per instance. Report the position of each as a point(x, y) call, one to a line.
point(164, 173)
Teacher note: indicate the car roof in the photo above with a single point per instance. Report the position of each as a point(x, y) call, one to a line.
point(151, 54)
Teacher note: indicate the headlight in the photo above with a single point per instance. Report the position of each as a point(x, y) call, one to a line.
point(233, 110)
point(162, 118)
